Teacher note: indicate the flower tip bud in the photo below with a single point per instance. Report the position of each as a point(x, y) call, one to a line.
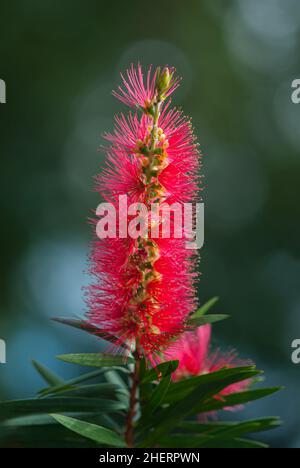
point(163, 80)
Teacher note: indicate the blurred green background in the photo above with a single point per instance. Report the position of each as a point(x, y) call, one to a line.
point(60, 60)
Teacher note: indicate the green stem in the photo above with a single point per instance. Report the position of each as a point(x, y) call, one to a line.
point(133, 400)
point(153, 141)
point(156, 115)
point(135, 376)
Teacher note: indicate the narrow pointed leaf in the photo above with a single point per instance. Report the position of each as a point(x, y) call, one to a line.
point(200, 321)
point(69, 384)
point(89, 328)
point(96, 433)
point(179, 390)
point(253, 426)
point(236, 431)
point(157, 397)
point(50, 377)
point(240, 398)
point(246, 427)
point(51, 436)
point(102, 390)
point(95, 360)
point(192, 441)
point(17, 408)
point(236, 443)
point(46, 420)
point(160, 371)
point(205, 308)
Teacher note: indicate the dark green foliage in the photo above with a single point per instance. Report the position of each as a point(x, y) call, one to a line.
point(167, 417)
point(75, 413)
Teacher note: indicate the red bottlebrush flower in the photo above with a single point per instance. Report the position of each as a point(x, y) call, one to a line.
point(192, 352)
point(179, 178)
point(144, 288)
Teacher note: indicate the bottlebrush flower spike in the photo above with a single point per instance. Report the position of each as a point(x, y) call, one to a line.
point(192, 352)
point(144, 287)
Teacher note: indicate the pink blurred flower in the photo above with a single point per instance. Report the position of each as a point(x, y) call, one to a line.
point(192, 350)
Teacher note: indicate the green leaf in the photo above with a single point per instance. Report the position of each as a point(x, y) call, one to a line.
point(179, 390)
point(205, 308)
point(192, 441)
point(50, 377)
point(96, 433)
point(101, 390)
point(114, 378)
point(234, 431)
point(180, 440)
point(157, 397)
point(240, 398)
point(32, 420)
point(95, 360)
point(200, 441)
point(52, 436)
point(69, 384)
point(160, 371)
point(200, 321)
point(236, 443)
point(218, 435)
point(172, 416)
point(17, 408)
point(89, 328)
point(249, 427)
point(46, 420)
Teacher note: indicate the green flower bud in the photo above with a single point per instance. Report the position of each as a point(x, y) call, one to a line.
point(163, 81)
